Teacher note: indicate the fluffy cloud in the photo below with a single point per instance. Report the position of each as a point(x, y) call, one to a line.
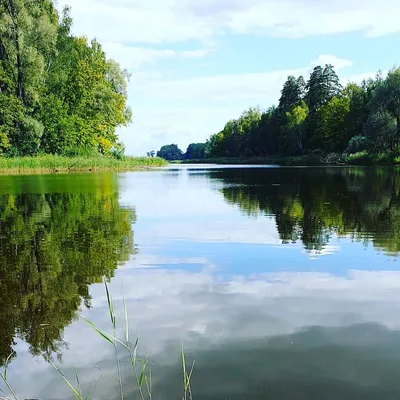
point(154, 127)
point(132, 57)
point(190, 121)
point(167, 109)
point(161, 21)
point(167, 306)
point(255, 87)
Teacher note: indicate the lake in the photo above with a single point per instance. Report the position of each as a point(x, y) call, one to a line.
point(281, 283)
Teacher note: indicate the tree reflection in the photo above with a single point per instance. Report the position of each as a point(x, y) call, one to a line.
point(52, 247)
point(312, 205)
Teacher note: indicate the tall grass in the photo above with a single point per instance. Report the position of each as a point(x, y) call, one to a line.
point(140, 367)
point(54, 163)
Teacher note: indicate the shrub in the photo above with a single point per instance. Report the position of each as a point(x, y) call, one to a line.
point(357, 144)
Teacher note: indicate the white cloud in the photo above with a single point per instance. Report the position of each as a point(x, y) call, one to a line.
point(140, 33)
point(162, 21)
point(133, 57)
point(154, 127)
point(337, 62)
point(227, 96)
point(166, 307)
point(263, 87)
point(200, 53)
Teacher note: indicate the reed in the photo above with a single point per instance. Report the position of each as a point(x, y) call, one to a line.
point(55, 163)
point(141, 367)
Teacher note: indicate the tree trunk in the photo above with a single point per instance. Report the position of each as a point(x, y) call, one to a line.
point(20, 74)
point(398, 132)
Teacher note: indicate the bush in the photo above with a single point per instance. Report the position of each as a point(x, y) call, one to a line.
point(28, 140)
point(357, 144)
point(360, 158)
point(118, 151)
point(334, 159)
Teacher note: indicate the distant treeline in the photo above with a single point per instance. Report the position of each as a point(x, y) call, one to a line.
point(59, 93)
point(172, 152)
point(319, 117)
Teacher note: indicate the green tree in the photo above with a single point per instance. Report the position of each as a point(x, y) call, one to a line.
point(292, 92)
point(170, 152)
point(322, 86)
point(57, 91)
point(215, 146)
point(332, 127)
point(380, 130)
point(294, 129)
point(195, 151)
point(386, 98)
point(358, 112)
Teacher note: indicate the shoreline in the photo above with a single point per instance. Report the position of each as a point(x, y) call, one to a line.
point(309, 160)
point(53, 164)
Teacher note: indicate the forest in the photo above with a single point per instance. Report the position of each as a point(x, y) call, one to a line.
point(59, 93)
point(320, 117)
point(172, 152)
point(317, 121)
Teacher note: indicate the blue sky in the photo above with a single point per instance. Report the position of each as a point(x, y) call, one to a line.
point(196, 64)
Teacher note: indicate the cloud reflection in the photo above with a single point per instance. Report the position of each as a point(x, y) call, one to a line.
point(306, 313)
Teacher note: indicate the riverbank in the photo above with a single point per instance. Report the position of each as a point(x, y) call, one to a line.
point(55, 164)
point(360, 159)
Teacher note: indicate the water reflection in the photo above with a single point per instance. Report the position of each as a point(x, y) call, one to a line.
point(286, 335)
point(262, 318)
point(312, 205)
point(52, 247)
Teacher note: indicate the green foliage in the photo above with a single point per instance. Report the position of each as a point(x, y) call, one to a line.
point(170, 152)
point(380, 130)
point(151, 153)
point(319, 118)
point(356, 144)
point(195, 151)
point(294, 129)
point(84, 162)
point(57, 91)
point(332, 124)
point(292, 92)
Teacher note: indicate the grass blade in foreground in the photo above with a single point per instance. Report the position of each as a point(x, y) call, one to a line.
point(145, 377)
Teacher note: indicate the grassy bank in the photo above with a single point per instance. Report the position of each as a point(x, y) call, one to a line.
point(361, 159)
point(53, 163)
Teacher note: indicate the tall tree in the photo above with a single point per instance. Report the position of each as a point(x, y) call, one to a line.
point(332, 132)
point(57, 91)
point(387, 98)
point(321, 87)
point(170, 152)
point(292, 92)
point(195, 151)
point(294, 129)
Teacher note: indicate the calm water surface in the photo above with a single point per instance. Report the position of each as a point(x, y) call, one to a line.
point(282, 283)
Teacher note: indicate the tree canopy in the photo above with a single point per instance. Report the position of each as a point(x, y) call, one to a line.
point(57, 91)
point(320, 115)
point(170, 152)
